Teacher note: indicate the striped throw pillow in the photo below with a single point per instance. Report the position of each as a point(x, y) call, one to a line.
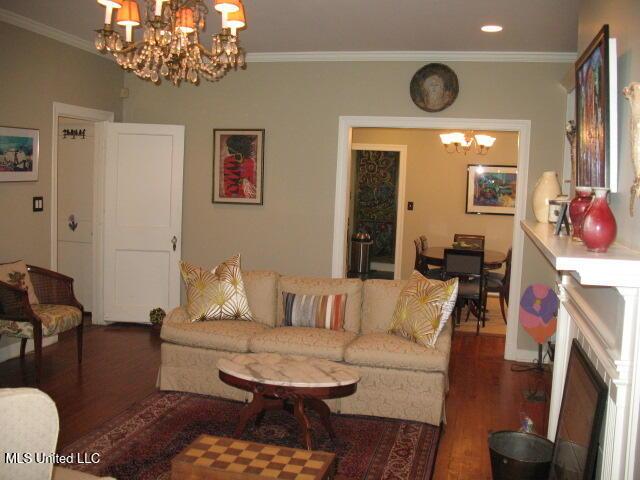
point(315, 311)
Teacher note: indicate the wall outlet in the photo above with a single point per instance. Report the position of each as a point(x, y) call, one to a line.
point(38, 204)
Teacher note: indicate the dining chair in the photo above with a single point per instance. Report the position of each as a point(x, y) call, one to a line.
point(468, 266)
point(476, 241)
point(499, 283)
point(424, 242)
point(420, 263)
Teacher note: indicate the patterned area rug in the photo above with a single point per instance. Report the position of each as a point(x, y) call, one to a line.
point(140, 443)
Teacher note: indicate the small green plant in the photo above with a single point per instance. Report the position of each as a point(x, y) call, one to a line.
point(156, 316)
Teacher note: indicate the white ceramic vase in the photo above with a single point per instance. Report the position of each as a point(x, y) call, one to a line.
point(547, 188)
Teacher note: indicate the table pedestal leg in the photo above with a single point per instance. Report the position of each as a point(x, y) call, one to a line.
point(325, 414)
point(256, 407)
point(303, 420)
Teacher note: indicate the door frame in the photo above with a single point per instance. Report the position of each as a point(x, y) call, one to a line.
point(522, 127)
point(402, 182)
point(97, 117)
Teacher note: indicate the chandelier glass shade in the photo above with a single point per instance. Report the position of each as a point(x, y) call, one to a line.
point(170, 46)
point(459, 142)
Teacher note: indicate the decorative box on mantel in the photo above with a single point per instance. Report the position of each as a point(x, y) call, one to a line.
point(599, 305)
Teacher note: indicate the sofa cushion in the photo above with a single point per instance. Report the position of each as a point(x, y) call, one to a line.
point(326, 286)
point(228, 335)
point(261, 288)
point(311, 342)
point(391, 351)
point(316, 311)
point(380, 298)
point(423, 308)
point(218, 294)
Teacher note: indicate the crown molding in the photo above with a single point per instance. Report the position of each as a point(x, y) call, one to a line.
point(12, 18)
point(413, 56)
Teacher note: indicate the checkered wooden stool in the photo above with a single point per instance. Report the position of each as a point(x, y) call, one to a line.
point(221, 458)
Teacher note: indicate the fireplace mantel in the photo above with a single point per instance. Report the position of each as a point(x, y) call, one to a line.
point(612, 342)
point(619, 267)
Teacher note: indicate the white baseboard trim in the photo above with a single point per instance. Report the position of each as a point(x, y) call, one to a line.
point(12, 350)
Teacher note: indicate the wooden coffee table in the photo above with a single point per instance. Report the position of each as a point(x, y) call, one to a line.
point(218, 458)
point(289, 382)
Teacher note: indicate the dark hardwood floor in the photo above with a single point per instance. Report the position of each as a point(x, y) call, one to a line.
point(121, 363)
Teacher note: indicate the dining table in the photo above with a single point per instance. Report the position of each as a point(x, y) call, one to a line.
point(493, 259)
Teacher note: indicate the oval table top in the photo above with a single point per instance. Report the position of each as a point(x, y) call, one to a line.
point(288, 370)
point(492, 258)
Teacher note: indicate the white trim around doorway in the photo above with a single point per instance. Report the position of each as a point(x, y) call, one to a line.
point(97, 117)
point(402, 182)
point(522, 127)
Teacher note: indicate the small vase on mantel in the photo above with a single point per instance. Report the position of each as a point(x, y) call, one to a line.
point(577, 209)
point(547, 188)
point(599, 225)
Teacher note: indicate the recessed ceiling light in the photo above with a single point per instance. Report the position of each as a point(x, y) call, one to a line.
point(491, 28)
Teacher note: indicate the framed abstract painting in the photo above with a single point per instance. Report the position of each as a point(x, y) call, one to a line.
point(238, 163)
point(596, 114)
point(19, 154)
point(491, 189)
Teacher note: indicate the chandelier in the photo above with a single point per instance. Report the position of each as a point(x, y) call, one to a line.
point(170, 45)
point(462, 142)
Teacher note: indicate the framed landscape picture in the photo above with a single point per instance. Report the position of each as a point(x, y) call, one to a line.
point(238, 162)
point(596, 124)
point(491, 189)
point(18, 154)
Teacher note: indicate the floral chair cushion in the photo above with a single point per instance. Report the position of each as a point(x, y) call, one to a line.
point(55, 319)
point(16, 274)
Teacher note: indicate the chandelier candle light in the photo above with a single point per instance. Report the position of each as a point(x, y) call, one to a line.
point(461, 142)
point(170, 46)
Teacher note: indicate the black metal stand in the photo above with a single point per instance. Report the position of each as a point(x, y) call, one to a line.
point(538, 365)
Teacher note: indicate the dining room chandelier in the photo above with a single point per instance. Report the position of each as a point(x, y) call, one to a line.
point(458, 142)
point(170, 46)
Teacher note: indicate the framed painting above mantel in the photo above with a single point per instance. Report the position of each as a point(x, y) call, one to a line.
point(238, 163)
point(491, 189)
point(596, 114)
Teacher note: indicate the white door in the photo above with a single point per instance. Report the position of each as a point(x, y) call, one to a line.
point(76, 153)
point(142, 219)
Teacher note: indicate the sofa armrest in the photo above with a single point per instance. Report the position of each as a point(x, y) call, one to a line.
point(176, 316)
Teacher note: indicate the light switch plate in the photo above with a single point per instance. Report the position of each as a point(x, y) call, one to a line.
point(38, 204)
point(410, 206)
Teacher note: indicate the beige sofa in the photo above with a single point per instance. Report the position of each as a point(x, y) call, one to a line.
point(399, 378)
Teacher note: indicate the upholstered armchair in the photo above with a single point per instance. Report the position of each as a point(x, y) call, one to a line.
point(58, 310)
point(29, 425)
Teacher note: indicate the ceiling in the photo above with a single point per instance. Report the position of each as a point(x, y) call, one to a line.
point(362, 25)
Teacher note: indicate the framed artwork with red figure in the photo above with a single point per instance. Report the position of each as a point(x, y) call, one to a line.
point(238, 162)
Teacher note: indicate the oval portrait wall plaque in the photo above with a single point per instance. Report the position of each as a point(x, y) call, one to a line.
point(434, 87)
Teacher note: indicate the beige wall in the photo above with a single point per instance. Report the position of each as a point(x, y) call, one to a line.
point(437, 184)
point(299, 105)
point(37, 71)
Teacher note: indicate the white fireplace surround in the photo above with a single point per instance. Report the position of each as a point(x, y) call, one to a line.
point(610, 339)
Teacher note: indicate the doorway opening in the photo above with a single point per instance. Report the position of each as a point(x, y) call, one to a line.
point(348, 127)
point(76, 173)
point(376, 200)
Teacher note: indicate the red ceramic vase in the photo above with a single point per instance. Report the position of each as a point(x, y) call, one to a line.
point(577, 209)
point(599, 225)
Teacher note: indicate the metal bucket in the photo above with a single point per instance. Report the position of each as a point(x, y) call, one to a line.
point(519, 456)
